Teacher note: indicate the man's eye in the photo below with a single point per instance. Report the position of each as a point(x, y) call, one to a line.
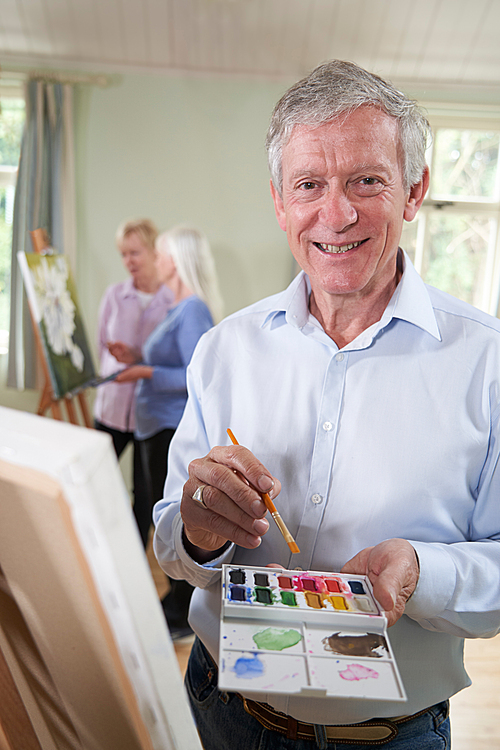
point(308, 185)
point(368, 186)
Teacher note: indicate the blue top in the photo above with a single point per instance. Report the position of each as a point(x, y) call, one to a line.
point(395, 435)
point(160, 400)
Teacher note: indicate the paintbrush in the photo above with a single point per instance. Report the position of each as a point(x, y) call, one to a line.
point(272, 510)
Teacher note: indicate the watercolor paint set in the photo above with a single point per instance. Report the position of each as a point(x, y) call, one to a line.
point(309, 633)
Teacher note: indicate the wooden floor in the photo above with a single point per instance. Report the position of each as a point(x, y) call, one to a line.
point(475, 712)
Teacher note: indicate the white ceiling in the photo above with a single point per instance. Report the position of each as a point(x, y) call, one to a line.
point(421, 42)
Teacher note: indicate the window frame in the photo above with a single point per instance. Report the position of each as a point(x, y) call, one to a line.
point(463, 117)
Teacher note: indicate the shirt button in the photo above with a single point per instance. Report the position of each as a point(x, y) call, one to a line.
point(298, 568)
point(339, 357)
point(317, 499)
point(327, 426)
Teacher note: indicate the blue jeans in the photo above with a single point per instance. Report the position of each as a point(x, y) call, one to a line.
point(224, 724)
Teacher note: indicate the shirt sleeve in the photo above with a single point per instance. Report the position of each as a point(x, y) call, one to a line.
point(190, 441)
point(102, 327)
point(193, 323)
point(458, 588)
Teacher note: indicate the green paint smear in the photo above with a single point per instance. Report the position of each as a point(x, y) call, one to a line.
point(275, 639)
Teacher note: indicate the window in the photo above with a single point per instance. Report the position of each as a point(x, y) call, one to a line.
point(11, 125)
point(454, 240)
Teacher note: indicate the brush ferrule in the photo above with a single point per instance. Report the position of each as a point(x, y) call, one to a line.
point(281, 525)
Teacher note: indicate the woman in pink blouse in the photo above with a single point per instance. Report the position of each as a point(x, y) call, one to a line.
point(129, 312)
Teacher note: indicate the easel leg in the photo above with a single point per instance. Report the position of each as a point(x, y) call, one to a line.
point(85, 410)
point(70, 408)
point(56, 410)
point(45, 399)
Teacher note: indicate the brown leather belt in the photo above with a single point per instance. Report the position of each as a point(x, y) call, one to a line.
point(372, 732)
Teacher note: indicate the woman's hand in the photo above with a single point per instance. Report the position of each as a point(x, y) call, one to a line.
point(124, 353)
point(136, 372)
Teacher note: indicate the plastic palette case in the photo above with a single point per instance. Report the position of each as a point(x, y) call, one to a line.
point(308, 633)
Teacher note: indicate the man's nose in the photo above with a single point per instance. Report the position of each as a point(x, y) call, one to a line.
point(337, 211)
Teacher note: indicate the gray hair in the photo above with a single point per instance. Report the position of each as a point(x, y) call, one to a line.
point(338, 88)
point(190, 251)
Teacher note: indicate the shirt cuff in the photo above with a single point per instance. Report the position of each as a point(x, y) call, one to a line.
point(201, 575)
point(436, 583)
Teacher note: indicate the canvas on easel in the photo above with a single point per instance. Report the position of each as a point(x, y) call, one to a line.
point(86, 659)
point(60, 338)
point(53, 300)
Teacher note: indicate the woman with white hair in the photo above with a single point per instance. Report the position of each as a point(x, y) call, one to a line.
point(185, 265)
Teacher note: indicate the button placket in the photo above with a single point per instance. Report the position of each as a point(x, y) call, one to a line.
point(329, 411)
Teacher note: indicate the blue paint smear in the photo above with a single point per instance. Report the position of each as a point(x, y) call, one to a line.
point(248, 668)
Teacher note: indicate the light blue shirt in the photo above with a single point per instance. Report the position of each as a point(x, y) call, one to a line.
point(160, 400)
point(395, 435)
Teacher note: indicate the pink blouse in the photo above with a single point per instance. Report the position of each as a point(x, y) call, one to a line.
point(122, 318)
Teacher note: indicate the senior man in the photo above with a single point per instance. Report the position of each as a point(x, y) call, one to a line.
point(372, 402)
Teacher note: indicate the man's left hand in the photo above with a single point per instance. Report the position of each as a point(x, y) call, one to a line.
point(393, 570)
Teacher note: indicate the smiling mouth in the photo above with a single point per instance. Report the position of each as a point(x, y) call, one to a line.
point(335, 249)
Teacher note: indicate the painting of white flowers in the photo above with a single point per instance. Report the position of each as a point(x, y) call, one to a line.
point(53, 302)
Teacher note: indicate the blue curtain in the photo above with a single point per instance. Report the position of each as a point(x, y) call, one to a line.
point(38, 204)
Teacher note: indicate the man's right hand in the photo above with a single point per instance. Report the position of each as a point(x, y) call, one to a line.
point(233, 481)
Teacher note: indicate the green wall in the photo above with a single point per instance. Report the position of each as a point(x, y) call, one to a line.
point(175, 149)
point(179, 150)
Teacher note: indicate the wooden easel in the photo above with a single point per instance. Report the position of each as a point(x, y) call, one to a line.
point(40, 243)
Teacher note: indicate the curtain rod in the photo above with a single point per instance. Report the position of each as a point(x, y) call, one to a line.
point(54, 76)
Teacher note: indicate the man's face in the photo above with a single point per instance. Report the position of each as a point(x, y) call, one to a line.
point(343, 202)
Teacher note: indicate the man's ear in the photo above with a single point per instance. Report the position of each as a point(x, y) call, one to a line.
point(279, 207)
point(416, 196)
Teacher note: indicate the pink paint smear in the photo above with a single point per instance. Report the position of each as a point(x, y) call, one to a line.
point(358, 672)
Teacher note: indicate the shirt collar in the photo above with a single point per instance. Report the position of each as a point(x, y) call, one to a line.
point(164, 293)
point(128, 289)
point(410, 302)
point(292, 303)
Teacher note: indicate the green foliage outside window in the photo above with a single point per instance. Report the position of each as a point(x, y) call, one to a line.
point(451, 244)
point(465, 164)
point(458, 254)
point(11, 128)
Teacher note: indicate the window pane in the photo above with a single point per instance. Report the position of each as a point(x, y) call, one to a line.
point(457, 256)
point(6, 197)
point(409, 238)
point(11, 128)
point(465, 165)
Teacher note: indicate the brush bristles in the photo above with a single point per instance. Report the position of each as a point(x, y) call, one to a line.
point(293, 547)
